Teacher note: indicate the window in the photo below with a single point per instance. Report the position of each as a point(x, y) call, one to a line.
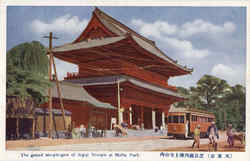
point(193, 118)
point(175, 119)
point(210, 119)
point(181, 119)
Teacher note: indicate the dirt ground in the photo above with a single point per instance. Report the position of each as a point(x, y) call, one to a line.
point(222, 147)
point(53, 142)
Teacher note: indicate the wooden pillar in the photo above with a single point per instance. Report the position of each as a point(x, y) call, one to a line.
point(153, 118)
point(17, 128)
point(163, 119)
point(130, 116)
point(142, 117)
point(33, 128)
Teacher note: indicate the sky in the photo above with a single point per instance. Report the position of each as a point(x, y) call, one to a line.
point(211, 40)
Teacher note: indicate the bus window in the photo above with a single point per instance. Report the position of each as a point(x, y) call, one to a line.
point(210, 119)
point(193, 118)
point(181, 119)
point(175, 119)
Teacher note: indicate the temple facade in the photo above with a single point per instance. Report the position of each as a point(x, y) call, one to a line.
point(123, 68)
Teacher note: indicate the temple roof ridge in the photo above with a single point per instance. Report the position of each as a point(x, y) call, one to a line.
point(118, 25)
point(128, 31)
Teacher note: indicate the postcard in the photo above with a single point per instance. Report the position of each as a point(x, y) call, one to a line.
point(124, 81)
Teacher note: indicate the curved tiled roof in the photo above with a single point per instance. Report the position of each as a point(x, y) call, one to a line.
point(73, 91)
point(121, 79)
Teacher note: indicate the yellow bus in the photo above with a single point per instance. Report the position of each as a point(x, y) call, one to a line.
point(181, 122)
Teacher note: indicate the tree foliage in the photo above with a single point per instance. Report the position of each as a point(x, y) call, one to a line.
point(216, 95)
point(27, 70)
point(29, 57)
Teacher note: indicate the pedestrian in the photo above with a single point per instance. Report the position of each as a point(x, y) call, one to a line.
point(82, 130)
point(213, 135)
point(230, 135)
point(196, 136)
point(186, 128)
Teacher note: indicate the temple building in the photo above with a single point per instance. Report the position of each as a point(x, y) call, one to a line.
point(123, 68)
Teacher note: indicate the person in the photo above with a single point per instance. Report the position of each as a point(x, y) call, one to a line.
point(82, 130)
point(124, 125)
point(186, 128)
point(230, 137)
point(196, 136)
point(166, 129)
point(162, 129)
point(213, 135)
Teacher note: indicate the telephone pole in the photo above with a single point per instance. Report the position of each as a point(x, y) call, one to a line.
point(51, 61)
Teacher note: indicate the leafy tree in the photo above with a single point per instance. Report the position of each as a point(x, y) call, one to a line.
point(191, 98)
point(215, 95)
point(29, 57)
point(236, 99)
point(210, 89)
point(27, 70)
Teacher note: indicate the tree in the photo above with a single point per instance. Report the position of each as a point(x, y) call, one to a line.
point(236, 99)
point(27, 70)
point(215, 95)
point(29, 57)
point(210, 89)
point(191, 98)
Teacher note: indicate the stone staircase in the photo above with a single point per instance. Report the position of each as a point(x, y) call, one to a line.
point(134, 133)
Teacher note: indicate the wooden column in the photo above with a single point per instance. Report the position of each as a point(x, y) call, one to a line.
point(142, 117)
point(163, 119)
point(33, 128)
point(153, 118)
point(17, 128)
point(130, 116)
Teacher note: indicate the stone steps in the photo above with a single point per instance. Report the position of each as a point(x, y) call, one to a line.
point(150, 132)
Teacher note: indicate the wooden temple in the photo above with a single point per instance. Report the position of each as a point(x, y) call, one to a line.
point(123, 68)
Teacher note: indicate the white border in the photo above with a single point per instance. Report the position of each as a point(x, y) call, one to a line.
point(15, 155)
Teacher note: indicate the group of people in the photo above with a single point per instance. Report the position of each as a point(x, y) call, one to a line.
point(213, 135)
point(75, 133)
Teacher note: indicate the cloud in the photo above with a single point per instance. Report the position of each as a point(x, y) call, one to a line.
point(185, 30)
point(155, 29)
point(200, 26)
point(65, 24)
point(185, 48)
point(233, 74)
point(168, 34)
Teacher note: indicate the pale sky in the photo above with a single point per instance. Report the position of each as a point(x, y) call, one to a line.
point(212, 40)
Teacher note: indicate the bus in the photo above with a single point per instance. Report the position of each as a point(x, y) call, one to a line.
point(181, 122)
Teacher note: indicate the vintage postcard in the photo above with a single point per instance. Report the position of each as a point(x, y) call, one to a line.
point(124, 81)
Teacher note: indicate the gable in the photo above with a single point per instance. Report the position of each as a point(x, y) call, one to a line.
point(94, 30)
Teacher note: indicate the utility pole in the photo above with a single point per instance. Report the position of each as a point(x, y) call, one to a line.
point(51, 61)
